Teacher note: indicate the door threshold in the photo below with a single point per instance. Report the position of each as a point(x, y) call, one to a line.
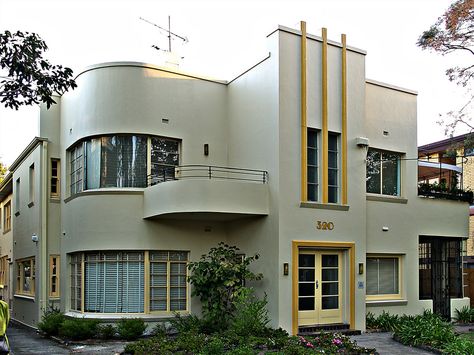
point(316, 329)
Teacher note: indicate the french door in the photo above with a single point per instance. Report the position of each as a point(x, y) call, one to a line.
point(319, 287)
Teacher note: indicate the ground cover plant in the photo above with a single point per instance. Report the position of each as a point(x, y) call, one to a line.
point(427, 329)
point(234, 318)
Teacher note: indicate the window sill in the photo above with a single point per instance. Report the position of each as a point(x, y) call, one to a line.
point(6, 231)
point(324, 206)
point(386, 198)
point(54, 200)
point(107, 191)
point(26, 297)
point(381, 303)
point(117, 316)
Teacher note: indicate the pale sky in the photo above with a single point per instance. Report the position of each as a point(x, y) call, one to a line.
point(227, 37)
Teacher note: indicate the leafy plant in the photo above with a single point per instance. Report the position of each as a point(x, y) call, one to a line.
point(186, 324)
point(106, 331)
point(51, 321)
point(459, 346)
point(464, 315)
point(131, 329)
point(217, 279)
point(79, 328)
point(251, 315)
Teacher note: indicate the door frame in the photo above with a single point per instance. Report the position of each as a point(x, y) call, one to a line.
point(346, 246)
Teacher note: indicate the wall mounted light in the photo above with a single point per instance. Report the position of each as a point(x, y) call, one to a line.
point(286, 269)
point(206, 149)
point(361, 268)
point(385, 228)
point(34, 238)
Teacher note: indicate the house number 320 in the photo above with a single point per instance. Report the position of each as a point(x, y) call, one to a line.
point(325, 225)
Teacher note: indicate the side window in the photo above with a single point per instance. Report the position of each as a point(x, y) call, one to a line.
point(55, 174)
point(383, 172)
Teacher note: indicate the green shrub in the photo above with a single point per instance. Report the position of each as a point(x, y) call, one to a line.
point(159, 330)
point(459, 346)
point(186, 324)
point(106, 331)
point(216, 279)
point(371, 321)
point(215, 346)
point(387, 322)
point(79, 328)
point(51, 321)
point(131, 328)
point(251, 315)
point(464, 315)
point(190, 342)
point(151, 346)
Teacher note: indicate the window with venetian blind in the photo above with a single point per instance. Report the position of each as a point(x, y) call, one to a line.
point(383, 276)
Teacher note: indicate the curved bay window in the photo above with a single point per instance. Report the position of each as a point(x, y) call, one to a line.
point(120, 161)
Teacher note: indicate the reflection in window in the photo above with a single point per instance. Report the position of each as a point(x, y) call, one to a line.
point(164, 159)
point(383, 173)
point(26, 277)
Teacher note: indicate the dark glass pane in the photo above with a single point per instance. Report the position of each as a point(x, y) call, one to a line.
point(329, 274)
point(312, 138)
point(332, 194)
point(312, 192)
point(93, 163)
point(312, 174)
point(306, 260)
point(312, 157)
point(390, 170)
point(164, 159)
point(373, 172)
point(332, 142)
point(331, 302)
point(330, 288)
point(332, 160)
point(306, 304)
point(306, 289)
point(306, 274)
point(332, 177)
point(330, 260)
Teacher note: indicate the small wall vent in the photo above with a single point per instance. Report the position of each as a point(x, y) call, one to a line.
point(165, 120)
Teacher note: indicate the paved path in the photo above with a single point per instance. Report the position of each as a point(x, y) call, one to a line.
point(24, 341)
point(385, 345)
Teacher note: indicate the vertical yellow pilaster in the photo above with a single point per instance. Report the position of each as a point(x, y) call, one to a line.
point(344, 120)
point(324, 113)
point(304, 177)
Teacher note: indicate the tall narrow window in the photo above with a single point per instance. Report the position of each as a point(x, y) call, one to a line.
point(7, 217)
point(168, 286)
point(76, 282)
point(333, 170)
point(76, 173)
point(55, 173)
point(54, 276)
point(383, 172)
point(26, 277)
point(4, 270)
point(164, 159)
point(31, 192)
point(312, 165)
point(17, 194)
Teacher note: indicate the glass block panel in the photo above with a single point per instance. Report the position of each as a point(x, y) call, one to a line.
point(178, 268)
point(158, 292)
point(178, 292)
point(158, 305)
point(178, 305)
point(178, 280)
point(158, 268)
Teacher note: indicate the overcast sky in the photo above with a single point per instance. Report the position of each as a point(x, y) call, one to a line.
point(227, 37)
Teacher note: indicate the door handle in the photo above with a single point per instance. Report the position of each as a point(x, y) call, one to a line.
point(317, 284)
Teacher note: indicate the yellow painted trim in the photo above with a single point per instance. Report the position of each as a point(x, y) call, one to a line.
point(324, 113)
point(304, 132)
point(344, 119)
point(58, 276)
point(295, 245)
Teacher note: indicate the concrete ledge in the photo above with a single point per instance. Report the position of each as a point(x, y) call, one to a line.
point(389, 199)
point(116, 317)
point(382, 303)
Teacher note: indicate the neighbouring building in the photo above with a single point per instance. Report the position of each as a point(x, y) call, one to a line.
point(6, 238)
point(300, 159)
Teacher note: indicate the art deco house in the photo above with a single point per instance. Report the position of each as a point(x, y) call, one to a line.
point(300, 159)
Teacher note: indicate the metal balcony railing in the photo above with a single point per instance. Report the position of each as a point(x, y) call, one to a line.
point(440, 191)
point(162, 173)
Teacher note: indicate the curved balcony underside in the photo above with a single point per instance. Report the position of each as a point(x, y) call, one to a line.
point(202, 199)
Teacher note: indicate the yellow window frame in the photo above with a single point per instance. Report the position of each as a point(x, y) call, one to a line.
point(54, 275)
point(21, 276)
point(393, 296)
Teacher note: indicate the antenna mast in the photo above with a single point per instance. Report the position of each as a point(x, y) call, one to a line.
point(170, 34)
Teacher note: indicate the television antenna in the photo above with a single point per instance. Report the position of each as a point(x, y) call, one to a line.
point(171, 35)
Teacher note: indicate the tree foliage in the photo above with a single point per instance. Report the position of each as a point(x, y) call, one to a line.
point(3, 171)
point(454, 32)
point(218, 278)
point(30, 78)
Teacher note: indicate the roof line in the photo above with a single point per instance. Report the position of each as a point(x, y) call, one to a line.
point(390, 86)
point(29, 148)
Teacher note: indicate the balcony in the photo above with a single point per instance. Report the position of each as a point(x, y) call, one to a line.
point(443, 181)
point(203, 192)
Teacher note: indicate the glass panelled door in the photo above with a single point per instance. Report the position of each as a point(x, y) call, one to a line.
point(319, 287)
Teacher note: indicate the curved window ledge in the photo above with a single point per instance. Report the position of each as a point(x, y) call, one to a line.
point(29, 298)
point(382, 303)
point(118, 316)
point(324, 206)
point(109, 191)
point(390, 199)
